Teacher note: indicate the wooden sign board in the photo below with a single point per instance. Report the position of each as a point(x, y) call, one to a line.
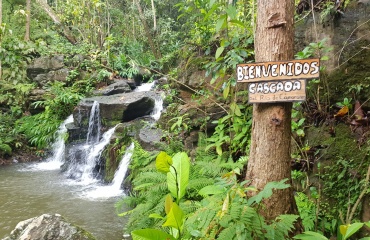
point(274, 71)
point(277, 91)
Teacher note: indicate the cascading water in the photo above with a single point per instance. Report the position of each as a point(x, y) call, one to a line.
point(93, 132)
point(158, 104)
point(120, 174)
point(113, 189)
point(58, 148)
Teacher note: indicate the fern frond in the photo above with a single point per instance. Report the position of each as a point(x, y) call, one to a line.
point(281, 227)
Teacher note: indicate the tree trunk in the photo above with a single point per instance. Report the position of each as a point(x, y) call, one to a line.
point(271, 130)
point(1, 22)
point(28, 21)
point(157, 54)
point(64, 31)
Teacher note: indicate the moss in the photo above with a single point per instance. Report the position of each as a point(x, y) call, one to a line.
point(354, 72)
point(342, 145)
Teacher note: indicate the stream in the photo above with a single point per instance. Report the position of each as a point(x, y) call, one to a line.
point(29, 190)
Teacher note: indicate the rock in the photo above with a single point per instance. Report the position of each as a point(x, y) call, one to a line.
point(52, 76)
point(149, 137)
point(48, 227)
point(119, 86)
point(116, 108)
point(35, 95)
point(44, 65)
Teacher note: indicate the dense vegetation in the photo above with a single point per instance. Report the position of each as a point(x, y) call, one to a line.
point(172, 196)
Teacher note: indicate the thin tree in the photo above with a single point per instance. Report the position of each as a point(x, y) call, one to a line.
point(63, 30)
point(271, 131)
point(28, 20)
point(157, 54)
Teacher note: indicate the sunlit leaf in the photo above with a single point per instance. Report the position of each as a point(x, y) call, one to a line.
point(352, 229)
point(151, 234)
point(219, 51)
point(175, 218)
point(163, 162)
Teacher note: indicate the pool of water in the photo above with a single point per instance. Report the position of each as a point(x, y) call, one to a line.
point(27, 192)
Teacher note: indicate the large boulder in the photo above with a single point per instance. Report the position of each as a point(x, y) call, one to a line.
point(48, 227)
point(119, 86)
point(43, 65)
point(113, 109)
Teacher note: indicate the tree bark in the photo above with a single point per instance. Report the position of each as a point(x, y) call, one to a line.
point(271, 130)
point(64, 31)
point(157, 54)
point(28, 21)
point(1, 22)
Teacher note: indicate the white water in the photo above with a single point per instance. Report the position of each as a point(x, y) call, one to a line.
point(145, 87)
point(93, 132)
point(158, 100)
point(57, 158)
point(113, 189)
point(82, 170)
point(158, 107)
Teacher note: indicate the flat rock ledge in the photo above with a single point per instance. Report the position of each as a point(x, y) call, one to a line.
point(48, 227)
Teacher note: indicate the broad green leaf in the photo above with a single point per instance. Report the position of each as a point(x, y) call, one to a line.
point(237, 22)
point(155, 215)
point(150, 234)
point(163, 162)
point(220, 22)
point(343, 229)
point(219, 51)
point(308, 235)
point(352, 229)
point(168, 203)
point(178, 176)
point(211, 190)
point(175, 218)
point(231, 12)
point(226, 91)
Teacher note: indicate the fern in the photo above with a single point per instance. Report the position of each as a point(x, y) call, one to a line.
point(281, 227)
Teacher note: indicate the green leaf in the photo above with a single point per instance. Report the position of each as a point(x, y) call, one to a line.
point(168, 203)
point(163, 162)
point(150, 234)
point(220, 22)
point(178, 177)
point(155, 215)
point(235, 109)
point(237, 22)
point(352, 229)
point(219, 150)
point(226, 91)
point(219, 51)
point(175, 218)
point(267, 191)
point(308, 235)
point(211, 190)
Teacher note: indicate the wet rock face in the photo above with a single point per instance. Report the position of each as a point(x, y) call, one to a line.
point(113, 109)
point(348, 62)
point(48, 227)
point(119, 86)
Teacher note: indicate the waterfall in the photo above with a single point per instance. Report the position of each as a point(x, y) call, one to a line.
point(158, 107)
point(93, 132)
point(57, 158)
point(84, 158)
point(145, 87)
point(158, 100)
point(113, 189)
point(122, 168)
